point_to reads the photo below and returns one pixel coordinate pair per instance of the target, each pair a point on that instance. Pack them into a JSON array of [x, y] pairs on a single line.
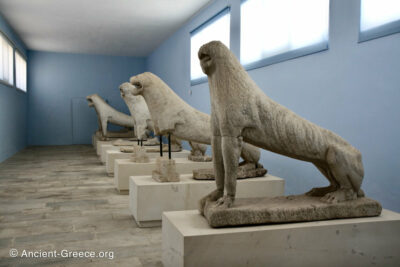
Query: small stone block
[[165, 171], [125, 167], [113, 155]]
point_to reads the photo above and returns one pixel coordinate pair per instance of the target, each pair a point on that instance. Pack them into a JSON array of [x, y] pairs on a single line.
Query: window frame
[[208, 22], [15, 70], [377, 32], [15, 49], [291, 54]]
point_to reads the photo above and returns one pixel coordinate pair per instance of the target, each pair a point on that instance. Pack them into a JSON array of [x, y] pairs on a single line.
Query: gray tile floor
[[60, 198]]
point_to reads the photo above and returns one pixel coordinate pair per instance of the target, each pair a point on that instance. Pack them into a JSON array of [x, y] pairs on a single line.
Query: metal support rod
[[141, 142], [169, 146], [161, 147], [138, 142]]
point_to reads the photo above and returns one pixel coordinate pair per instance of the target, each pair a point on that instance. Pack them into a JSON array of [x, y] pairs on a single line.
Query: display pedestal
[[94, 140], [125, 167], [185, 195], [188, 240], [104, 148], [112, 155], [99, 144]]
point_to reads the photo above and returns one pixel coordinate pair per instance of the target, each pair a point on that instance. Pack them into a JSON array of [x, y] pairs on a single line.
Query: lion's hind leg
[[322, 191], [344, 164]]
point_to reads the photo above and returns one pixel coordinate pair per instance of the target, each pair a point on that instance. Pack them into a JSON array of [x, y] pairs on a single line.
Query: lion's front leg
[[104, 127], [231, 149], [219, 172]]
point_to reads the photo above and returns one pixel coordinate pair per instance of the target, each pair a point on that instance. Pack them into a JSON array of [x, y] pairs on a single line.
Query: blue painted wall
[[352, 89], [13, 105], [58, 85]]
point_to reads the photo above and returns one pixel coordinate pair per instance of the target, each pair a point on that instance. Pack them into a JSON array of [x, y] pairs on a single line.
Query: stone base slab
[[112, 155], [188, 240], [243, 173], [125, 167], [185, 195], [284, 209]]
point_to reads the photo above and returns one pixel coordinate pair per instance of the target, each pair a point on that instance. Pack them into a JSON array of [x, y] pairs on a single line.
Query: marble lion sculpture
[[107, 114], [171, 114], [139, 111], [242, 112]]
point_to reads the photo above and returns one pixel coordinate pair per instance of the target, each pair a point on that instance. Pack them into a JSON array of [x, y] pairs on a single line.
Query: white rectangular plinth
[[187, 240], [99, 144], [112, 155], [125, 167], [94, 140], [104, 148], [185, 194]]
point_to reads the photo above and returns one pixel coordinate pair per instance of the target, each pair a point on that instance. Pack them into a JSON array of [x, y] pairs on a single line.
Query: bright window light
[[20, 71], [271, 27], [217, 28], [376, 13], [6, 61]]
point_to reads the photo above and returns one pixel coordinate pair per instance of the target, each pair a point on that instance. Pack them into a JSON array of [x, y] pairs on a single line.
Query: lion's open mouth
[[204, 57], [90, 102], [138, 85]]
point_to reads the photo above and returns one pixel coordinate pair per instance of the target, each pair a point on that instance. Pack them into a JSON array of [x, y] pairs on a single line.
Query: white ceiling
[[109, 27]]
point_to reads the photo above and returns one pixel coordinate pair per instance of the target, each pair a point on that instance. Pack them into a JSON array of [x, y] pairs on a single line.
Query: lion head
[[214, 54], [91, 98], [126, 89], [141, 81]]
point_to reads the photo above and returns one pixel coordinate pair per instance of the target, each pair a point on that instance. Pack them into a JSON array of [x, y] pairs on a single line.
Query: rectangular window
[[20, 71], [379, 18], [216, 28], [6, 61], [273, 31]]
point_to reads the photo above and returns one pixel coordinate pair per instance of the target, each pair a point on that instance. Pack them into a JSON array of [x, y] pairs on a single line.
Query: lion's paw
[[213, 196], [225, 202], [320, 191], [339, 196]]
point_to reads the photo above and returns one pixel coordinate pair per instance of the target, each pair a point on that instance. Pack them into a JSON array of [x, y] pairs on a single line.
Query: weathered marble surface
[[59, 197], [244, 171], [139, 111], [139, 154], [141, 114], [285, 209], [165, 170], [198, 152], [155, 149], [123, 133], [174, 148], [148, 198], [170, 114], [241, 112], [152, 142], [124, 142], [107, 114]]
